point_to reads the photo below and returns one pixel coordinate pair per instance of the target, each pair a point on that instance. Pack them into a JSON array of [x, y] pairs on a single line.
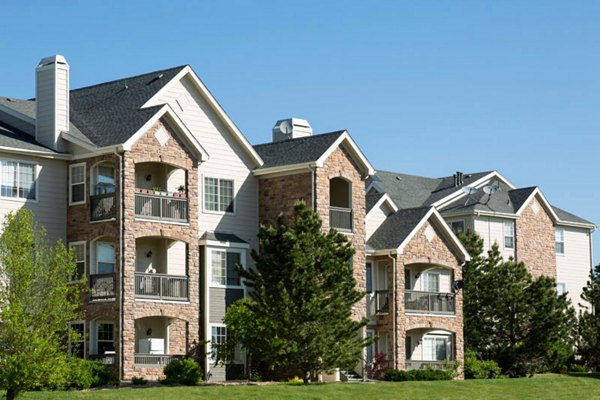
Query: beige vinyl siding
[[375, 218], [492, 231], [46, 117], [573, 267], [176, 258], [50, 206], [227, 161]]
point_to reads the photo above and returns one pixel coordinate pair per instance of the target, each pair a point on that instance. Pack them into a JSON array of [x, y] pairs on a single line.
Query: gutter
[[395, 314]]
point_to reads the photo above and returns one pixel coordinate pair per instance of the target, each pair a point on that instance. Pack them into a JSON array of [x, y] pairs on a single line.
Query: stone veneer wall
[[340, 164], [535, 241], [278, 194], [420, 250], [80, 228], [184, 328]]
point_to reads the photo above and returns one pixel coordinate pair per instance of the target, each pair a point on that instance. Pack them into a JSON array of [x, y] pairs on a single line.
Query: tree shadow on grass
[[594, 375]]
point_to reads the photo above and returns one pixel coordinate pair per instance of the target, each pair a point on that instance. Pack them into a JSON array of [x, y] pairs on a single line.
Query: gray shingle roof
[[505, 200], [396, 228], [222, 237], [568, 217], [25, 107], [372, 199], [296, 151], [13, 138]]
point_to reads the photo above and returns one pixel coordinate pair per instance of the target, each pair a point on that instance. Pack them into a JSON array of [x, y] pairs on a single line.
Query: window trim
[[205, 209], [564, 288], [512, 235], [71, 167], [556, 242], [448, 338], [461, 221], [70, 342], [94, 258], [81, 243], [97, 341], [94, 176], [240, 251], [430, 273], [36, 174]]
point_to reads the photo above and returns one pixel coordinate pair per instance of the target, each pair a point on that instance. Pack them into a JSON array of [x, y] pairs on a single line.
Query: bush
[[478, 369], [295, 380], [429, 374], [578, 368], [138, 380], [85, 374], [185, 372]]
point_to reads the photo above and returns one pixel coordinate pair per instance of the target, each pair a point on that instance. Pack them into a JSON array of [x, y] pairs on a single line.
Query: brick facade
[[278, 195], [534, 240]]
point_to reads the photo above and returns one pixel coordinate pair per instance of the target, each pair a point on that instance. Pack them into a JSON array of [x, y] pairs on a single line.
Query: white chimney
[[52, 100], [291, 128]]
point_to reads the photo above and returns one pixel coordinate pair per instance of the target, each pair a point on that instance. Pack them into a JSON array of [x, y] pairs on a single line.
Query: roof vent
[[458, 178], [291, 128]]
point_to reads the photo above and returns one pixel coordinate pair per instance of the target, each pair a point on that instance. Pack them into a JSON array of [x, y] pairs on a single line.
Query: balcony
[[421, 364], [161, 207], [103, 206], [106, 359], [340, 218], [377, 303], [103, 286], [154, 360], [161, 287], [429, 302]]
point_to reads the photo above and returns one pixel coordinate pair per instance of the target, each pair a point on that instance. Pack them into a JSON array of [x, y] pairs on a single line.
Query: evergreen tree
[[513, 318], [588, 344], [298, 316], [36, 304]]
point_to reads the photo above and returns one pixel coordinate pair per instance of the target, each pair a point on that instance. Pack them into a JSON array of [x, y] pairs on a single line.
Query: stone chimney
[[52, 100], [291, 128]]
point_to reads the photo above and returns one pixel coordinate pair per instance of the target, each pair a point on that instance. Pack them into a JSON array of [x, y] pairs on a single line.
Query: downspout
[[394, 313], [314, 188], [591, 263], [121, 263]]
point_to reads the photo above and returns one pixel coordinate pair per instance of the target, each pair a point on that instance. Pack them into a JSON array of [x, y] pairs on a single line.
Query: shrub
[[295, 380], [138, 380], [428, 374], [578, 368], [85, 374], [185, 372], [479, 369]]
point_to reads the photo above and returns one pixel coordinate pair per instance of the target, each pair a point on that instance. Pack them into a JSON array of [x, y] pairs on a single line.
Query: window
[[369, 278], [559, 237], [105, 258], [430, 282], [458, 226], [407, 283], [561, 288], [105, 337], [437, 348], [77, 184], [218, 338], [218, 195], [18, 180], [509, 234], [79, 250], [370, 336], [77, 339], [223, 267], [408, 347], [104, 179]]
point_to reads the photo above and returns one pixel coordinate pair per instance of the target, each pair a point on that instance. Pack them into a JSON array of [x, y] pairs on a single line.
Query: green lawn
[[539, 387]]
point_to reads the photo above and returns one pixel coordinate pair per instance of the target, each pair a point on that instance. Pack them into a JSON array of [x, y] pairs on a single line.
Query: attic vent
[[535, 208], [162, 136], [429, 233]]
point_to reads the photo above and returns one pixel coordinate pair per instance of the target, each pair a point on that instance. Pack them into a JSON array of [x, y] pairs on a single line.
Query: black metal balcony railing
[[340, 218], [421, 364], [106, 359], [103, 286], [161, 287], [429, 302], [377, 302], [103, 206], [155, 360], [164, 208]]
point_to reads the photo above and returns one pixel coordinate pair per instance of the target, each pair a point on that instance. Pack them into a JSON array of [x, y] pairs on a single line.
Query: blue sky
[[424, 87]]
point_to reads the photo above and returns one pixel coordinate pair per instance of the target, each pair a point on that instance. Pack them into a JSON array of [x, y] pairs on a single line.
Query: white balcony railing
[[421, 364], [155, 360], [163, 208], [340, 218], [429, 302], [161, 287]]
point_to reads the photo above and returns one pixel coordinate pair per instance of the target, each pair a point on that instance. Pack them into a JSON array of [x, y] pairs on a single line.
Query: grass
[[550, 386]]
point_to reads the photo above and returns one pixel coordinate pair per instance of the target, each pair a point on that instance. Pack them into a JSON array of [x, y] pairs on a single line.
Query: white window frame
[[82, 341], [510, 234], [204, 192], [81, 243], [36, 173], [94, 176], [561, 288], [556, 241], [94, 261], [71, 167], [96, 340], [425, 276], [210, 250], [449, 346], [238, 357]]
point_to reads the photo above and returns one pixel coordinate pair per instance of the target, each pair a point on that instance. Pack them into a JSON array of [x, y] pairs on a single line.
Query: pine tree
[[513, 318], [298, 316], [588, 344], [37, 302]]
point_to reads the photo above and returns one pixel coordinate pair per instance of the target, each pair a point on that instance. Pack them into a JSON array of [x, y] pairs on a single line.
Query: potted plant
[[180, 192], [144, 191], [159, 191]]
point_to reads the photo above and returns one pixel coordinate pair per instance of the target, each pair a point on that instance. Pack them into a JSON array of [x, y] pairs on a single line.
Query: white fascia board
[[384, 199], [441, 224], [478, 183], [383, 252], [237, 134], [354, 150], [187, 135], [36, 153], [17, 114], [374, 185], [478, 213], [217, 243], [285, 169], [591, 227], [545, 204], [75, 140]]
